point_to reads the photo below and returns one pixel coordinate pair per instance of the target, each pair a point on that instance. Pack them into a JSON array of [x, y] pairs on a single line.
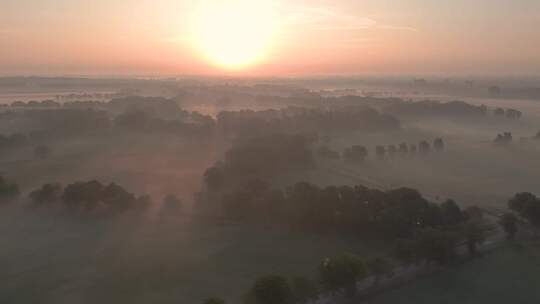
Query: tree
[[499, 112], [304, 290], [513, 114], [342, 272], [93, 196], [423, 147], [272, 289], [521, 201], [378, 267], [82, 195], [503, 139], [326, 152], [48, 193], [214, 301], [8, 191], [403, 149], [451, 213], [355, 153], [436, 244], [474, 233], [438, 144], [508, 222], [527, 205]]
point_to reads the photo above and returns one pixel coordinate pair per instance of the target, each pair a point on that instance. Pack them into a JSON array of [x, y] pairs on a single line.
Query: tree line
[[427, 241], [358, 153], [305, 120], [86, 198]]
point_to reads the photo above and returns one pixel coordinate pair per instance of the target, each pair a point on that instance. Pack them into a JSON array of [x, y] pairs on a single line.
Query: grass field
[[50, 259], [510, 274]]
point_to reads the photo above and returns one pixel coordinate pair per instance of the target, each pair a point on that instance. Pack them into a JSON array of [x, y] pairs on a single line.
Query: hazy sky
[[334, 37]]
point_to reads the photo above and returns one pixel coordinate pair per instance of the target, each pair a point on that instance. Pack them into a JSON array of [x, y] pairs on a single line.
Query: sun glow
[[234, 34]]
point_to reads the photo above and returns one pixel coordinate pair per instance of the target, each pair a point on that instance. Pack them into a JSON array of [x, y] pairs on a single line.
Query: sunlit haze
[[271, 37]]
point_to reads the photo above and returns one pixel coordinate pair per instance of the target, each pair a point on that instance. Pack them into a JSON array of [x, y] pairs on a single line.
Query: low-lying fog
[[51, 256]]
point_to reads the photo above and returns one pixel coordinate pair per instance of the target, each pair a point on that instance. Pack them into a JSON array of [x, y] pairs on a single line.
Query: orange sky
[[312, 37]]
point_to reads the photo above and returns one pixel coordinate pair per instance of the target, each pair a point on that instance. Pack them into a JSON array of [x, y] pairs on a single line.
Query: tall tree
[[508, 222], [272, 289], [342, 272]]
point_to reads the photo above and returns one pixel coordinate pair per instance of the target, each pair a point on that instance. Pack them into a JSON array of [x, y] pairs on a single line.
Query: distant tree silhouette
[[48, 193], [513, 114], [509, 222], [438, 144], [423, 147], [380, 151], [474, 232], [355, 153], [499, 112], [451, 213], [93, 196], [503, 139], [326, 152], [403, 149]]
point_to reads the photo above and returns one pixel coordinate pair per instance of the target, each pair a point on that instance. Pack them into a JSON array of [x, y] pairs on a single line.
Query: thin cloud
[[322, 18], [398, 28]]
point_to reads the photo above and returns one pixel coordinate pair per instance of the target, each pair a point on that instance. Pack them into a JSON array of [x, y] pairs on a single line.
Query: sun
[[234, 34]]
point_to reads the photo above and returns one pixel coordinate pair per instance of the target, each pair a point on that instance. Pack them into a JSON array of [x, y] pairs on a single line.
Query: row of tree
[[335, 274], [90, 197], [343, 273], [146, 115], [305, 120], [503, 139], [439, 244], [358, 210], [358, 153], [508, 113]]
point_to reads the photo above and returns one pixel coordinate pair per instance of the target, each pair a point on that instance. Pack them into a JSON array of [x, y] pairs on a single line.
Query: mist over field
[[269, 151], [176, 190]]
